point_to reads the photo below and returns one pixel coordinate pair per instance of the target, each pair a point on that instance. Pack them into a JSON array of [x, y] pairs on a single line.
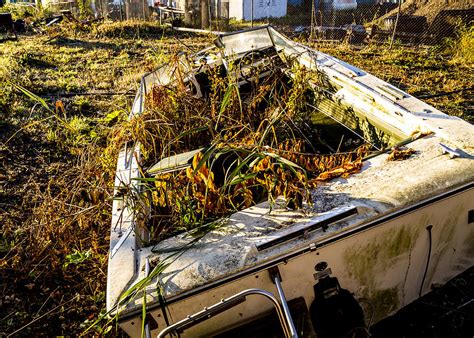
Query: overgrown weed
[[255, 145], [463, 49]]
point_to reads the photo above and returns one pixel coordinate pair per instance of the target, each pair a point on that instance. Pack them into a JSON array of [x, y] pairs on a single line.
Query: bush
[[129, 29], [463, 49]]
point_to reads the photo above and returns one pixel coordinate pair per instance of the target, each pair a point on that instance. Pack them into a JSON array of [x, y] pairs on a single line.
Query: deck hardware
[[224, 305], [310, 226], [312, 247], [276, 278], [447, 150], [321, 274], [322, 270], [470, 216], [321, 266]]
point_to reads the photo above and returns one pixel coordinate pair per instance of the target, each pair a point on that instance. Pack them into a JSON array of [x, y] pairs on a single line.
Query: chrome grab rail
[[226, 304], [286, 310]]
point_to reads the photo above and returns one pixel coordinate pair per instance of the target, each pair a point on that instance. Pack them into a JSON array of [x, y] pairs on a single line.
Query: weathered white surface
[[122, 267], [381, 187], [261, 9]]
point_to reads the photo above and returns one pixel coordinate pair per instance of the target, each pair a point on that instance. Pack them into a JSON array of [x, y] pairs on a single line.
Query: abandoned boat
[[370, 242]]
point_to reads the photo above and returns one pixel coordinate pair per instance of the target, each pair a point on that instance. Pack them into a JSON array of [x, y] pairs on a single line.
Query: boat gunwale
[[379, 220]]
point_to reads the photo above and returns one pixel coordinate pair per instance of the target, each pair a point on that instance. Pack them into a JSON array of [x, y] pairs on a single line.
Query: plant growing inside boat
[[254, 140]]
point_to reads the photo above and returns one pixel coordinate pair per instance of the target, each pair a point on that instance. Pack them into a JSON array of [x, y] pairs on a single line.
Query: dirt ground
[[62, 97]]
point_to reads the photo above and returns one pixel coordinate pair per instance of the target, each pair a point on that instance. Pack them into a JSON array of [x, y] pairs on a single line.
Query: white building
[[242, 9]]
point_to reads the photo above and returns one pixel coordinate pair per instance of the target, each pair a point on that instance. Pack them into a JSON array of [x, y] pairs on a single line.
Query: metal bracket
[[447, 150], [321, 274], [274, 273]]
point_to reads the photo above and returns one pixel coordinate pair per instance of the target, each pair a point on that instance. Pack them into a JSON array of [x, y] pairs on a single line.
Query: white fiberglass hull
[[388, 233]]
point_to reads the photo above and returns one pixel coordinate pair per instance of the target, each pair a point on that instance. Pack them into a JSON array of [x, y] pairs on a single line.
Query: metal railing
[[228, 303]]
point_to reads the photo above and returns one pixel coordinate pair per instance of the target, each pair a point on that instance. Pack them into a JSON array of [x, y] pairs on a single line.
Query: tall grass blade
[[32, 96]]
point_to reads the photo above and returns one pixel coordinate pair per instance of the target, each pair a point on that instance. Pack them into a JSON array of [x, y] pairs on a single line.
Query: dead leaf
[[30, 286], [400, 153]]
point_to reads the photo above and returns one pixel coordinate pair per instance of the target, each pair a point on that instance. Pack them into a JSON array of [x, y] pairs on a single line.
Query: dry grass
[[56, 177], [57, 166], [258, 142], [463, 47]]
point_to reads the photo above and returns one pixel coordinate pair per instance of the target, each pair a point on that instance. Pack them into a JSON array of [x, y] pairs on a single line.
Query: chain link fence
[[426, 22], [356, 21]]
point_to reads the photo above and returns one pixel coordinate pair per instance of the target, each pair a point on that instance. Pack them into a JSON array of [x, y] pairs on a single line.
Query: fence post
[[188, 7], [205, 14], [225, 5], [396, 23], [251, 12]]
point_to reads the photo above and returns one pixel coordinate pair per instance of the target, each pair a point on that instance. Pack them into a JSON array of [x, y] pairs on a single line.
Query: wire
[[429, 227], [446, 93], [128, 93]]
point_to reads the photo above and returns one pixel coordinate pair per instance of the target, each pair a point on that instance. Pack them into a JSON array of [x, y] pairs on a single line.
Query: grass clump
[[57, 172], [25, 11], [131, 29]]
